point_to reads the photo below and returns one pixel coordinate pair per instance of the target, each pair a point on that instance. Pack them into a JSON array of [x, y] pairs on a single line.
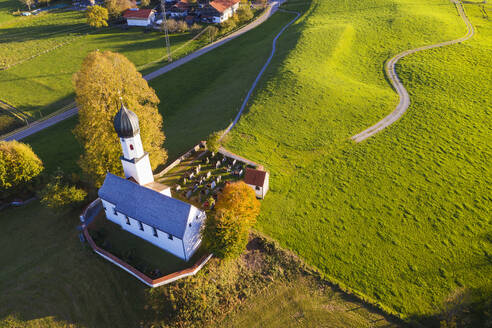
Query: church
[[144, 207]]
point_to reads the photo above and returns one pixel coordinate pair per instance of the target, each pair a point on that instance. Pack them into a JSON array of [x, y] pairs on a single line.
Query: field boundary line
[[390, 72]]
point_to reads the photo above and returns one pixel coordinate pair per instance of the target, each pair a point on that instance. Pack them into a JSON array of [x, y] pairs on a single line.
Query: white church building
[[143, 207]]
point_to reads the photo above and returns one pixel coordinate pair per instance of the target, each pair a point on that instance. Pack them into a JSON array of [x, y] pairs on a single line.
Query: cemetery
[[199, 178]]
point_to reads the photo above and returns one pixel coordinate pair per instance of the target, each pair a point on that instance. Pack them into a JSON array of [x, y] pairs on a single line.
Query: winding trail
[[57, 118], [398, 86]]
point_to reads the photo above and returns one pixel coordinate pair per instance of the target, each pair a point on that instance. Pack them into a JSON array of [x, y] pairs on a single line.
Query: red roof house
[[258, 180], [139, 17]]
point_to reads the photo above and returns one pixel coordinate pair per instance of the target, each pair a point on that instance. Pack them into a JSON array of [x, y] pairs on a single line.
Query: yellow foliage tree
[[239, 200], [102, 80], [97, 16], [226, 233]]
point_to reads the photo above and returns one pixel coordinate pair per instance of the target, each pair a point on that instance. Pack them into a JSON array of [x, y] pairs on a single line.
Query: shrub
[[228, 25], [19, 165], [59, 194], [182, 27], [213, 142], [174, 26], [244, 13]]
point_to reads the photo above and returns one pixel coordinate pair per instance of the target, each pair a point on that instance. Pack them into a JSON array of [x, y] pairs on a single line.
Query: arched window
[[131, 147]]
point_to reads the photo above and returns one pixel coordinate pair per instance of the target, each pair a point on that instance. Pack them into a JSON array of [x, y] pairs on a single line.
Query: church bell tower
[[135, 160]]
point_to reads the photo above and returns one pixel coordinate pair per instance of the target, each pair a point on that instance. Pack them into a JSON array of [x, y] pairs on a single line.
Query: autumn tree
[[116, 7], [103, 78], [226, 233], [18, 166], [60, 193], [145, 3], [97, 16]]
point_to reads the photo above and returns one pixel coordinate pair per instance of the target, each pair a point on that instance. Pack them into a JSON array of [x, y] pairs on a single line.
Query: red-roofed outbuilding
[[258, 180], [139, 17]]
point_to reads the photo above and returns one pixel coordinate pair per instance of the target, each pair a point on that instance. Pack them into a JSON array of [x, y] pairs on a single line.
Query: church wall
[[109, 209], [136, 143], [174, 246], [140, 171], [192, 237]]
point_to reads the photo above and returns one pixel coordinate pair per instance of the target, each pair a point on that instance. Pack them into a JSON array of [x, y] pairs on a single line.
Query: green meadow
[[399, 219], [402, 219]]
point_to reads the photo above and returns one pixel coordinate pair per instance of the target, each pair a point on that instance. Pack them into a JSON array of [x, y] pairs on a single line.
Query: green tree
[[59, 194], [244, 13], [97, 16], [213, 142], [19, 165], [226, 233], [105, 76]]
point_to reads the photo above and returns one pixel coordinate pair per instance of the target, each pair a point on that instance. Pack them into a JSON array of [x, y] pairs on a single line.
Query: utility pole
[[166, 32]]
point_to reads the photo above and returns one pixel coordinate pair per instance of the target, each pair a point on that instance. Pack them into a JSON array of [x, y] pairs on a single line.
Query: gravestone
[[207, 160], [219, 178], [188, 194], [213, 185], [233, 162], [217, 165], [208, 174], [178, 188], [241, 172]]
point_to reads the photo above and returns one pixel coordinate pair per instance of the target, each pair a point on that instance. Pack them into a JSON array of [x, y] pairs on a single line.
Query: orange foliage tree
[[226, 233]]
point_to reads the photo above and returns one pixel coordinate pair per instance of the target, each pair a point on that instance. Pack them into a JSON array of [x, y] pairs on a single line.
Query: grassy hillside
[[402, 217], [6, 7]]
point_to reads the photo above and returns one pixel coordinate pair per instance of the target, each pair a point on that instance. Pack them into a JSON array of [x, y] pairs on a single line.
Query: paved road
[[41, 125], [400, 89]]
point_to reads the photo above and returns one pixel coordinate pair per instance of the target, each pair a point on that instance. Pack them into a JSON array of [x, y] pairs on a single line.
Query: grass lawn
[[403, 217], [6, 7], [303, 303]]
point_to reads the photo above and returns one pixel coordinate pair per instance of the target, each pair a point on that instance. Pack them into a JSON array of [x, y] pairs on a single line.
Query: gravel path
[[41, 125], [398, 86]]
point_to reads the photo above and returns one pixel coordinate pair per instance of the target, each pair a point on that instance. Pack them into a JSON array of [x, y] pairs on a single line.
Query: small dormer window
[[155, 232], [258, 188], [114, 211], [131, 147], [170, 236], [141, 226], [127, 220]]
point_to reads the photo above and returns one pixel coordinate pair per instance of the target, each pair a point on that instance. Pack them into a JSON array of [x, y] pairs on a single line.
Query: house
[[219, 11], [258, 180], [181, 9], [144, 207], [139, 17]]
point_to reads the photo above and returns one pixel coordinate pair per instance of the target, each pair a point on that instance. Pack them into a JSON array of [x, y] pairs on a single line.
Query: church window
[[155, 232], [127, 220], [170, 236], [131, 147], [114, 211], [141, 226], [257, 188]]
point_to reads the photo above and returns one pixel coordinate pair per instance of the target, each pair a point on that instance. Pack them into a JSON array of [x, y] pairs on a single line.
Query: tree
[[27, 3], [102, 79], [244, 13], [59, 194], [226, 233], [213, 142], [97, 16], [228, 25], [18, 166], [45, 1], [116, 7], [145, 3]]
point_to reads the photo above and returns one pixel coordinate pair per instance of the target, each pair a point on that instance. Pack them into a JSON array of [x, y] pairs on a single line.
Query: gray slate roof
[[167, 214]]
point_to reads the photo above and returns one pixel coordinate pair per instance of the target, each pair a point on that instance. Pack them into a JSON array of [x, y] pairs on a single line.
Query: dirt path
[[398, 86], [41, 125]]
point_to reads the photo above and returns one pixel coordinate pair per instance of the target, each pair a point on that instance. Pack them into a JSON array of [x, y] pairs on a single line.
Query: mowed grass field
[[404, 217], [42, 84]]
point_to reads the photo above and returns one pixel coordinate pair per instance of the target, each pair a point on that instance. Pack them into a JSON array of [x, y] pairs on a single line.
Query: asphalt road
[[41, 125], [398, 86]]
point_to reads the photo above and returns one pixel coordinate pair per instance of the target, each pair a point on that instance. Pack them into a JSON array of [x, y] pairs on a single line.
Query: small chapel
[[144, 207]]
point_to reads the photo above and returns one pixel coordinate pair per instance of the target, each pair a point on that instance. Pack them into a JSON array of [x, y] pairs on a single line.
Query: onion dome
[[126, 123]]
